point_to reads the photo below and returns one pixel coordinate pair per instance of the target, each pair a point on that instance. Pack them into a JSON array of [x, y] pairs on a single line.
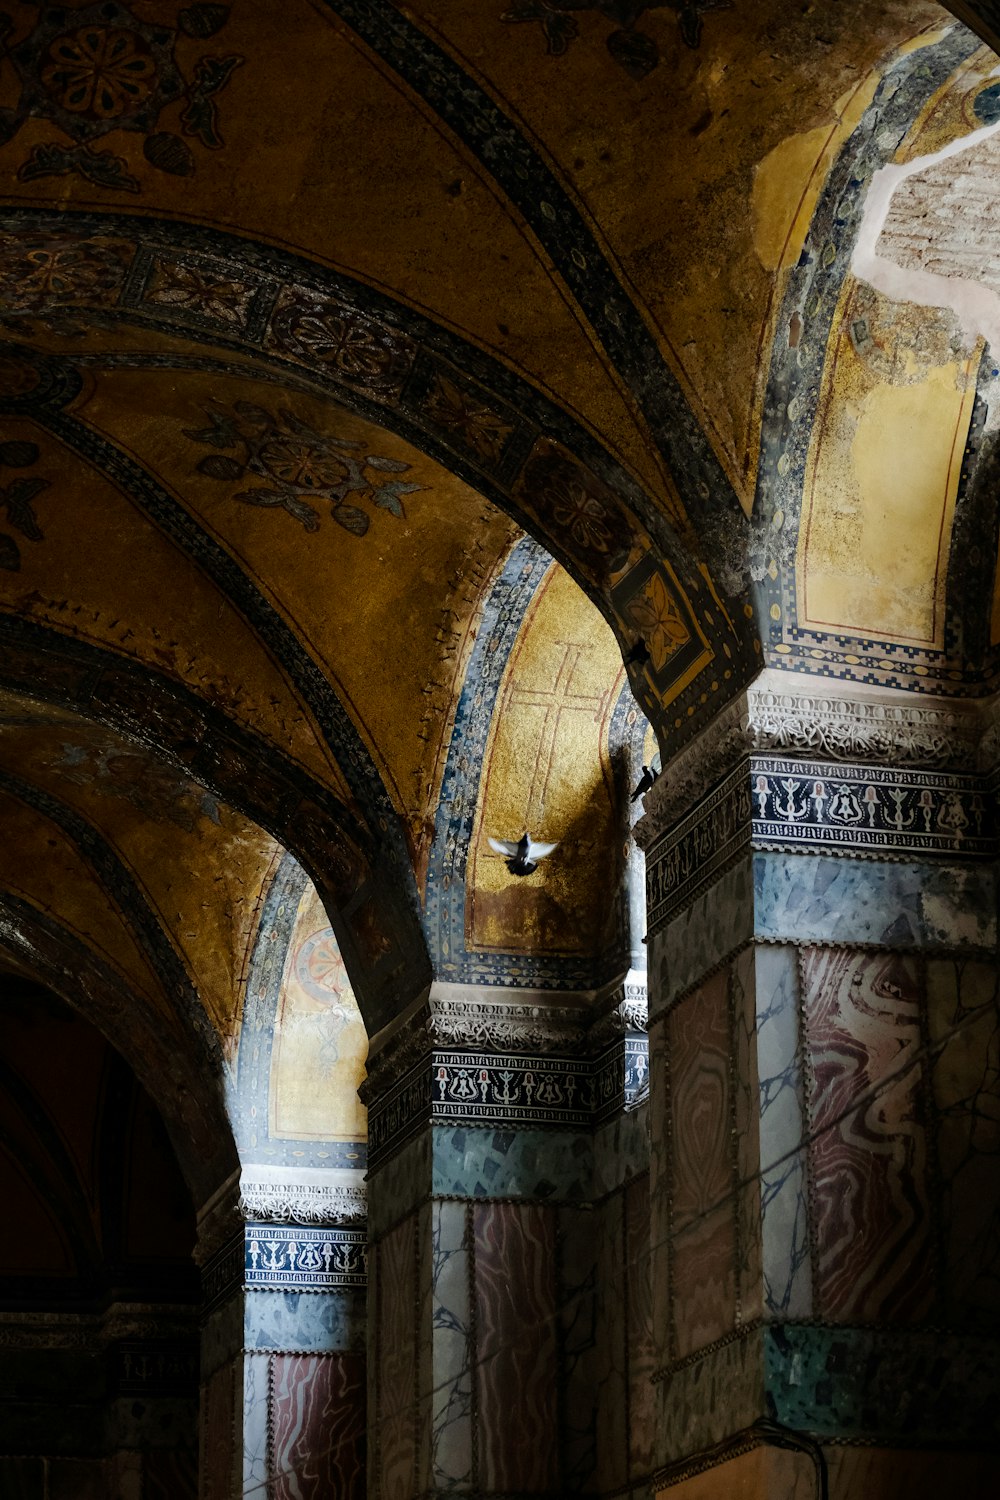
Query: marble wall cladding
[[451, 1331], [703, 1222], [964, 1026], [918, 1384], [659, 1188], [222, 1334], [611, 1362], [85, 1479], [217, 1464], [517, 1364], [621, 1150], [399, 1183], [710, 1397], [578, 1335], [396, 1345], [318, 1427], [714, 926], [309, 1322], [868, 1139], [746, 1122], [641, 1354], [256, 1400], [475, 1163], [786, 1269], [820, 898]]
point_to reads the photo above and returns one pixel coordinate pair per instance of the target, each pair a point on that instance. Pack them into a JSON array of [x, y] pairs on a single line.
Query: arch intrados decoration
[[430, 387], [341, 854]]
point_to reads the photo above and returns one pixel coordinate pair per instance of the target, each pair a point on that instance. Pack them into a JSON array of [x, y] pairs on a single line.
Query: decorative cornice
[[447, 1023], [325, 1204], [788, 714], [328, 1198]]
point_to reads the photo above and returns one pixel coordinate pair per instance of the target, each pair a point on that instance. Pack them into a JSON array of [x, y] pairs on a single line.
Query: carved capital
[[793, 715]]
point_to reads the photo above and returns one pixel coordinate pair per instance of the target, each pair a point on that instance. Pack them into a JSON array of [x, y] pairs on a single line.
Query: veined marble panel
[[611, 1362], [516, 1347], [886, 1383], [786, 1270], [818, 898], [868, 1142], [717, 923], [578, 1331], [639, 1327], [318, 1427], [964, 1024], [256, 1368], [398, 1184], [746, 1119], [472, 1163], [710, 1397], [451, 1333], [659, 1188], [396, 1357], [621, 1149], [309, 1322]]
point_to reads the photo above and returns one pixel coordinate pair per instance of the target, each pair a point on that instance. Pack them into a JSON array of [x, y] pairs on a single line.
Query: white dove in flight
[[524, 856]]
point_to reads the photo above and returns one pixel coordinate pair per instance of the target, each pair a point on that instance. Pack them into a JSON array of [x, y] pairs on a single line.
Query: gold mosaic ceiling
[[310, 311]]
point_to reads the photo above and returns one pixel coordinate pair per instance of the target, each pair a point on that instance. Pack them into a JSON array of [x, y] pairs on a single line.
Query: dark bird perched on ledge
[[524, 856], [645, 782]]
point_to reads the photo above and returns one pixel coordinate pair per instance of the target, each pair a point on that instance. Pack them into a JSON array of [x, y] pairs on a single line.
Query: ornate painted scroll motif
[[791, 405], [101, 69]]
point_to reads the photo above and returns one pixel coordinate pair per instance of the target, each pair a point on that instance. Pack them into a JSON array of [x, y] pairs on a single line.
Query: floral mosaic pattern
[[17, 501], [635, 51], [100, 69], [298, 465]]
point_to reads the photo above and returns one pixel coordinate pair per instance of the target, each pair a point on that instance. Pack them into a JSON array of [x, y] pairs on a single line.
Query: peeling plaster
[[896, 243]]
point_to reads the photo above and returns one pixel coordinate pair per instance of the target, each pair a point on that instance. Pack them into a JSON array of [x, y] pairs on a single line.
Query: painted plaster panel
[[821, 899]]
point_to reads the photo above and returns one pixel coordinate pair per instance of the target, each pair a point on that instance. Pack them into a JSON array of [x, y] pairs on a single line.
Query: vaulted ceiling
[[311, 312]]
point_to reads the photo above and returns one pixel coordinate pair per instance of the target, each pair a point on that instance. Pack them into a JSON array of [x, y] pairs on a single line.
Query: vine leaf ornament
[[101, 68], [16, 502], [634, 50], [298, 466]]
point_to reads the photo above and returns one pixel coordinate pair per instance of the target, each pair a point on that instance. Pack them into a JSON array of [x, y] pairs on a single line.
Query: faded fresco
[[320, 1044]]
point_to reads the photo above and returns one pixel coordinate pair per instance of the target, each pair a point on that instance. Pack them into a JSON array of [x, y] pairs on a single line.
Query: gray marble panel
[[621, 1149], [611, 1355], [222, 1335], [578, 1314], [397, 1185], [659, 1190], [255, 1401], [715, 925], [451, 1383], [304, 1322], [787, 1281], [710, 1397], [820, 898], [474, 1163]]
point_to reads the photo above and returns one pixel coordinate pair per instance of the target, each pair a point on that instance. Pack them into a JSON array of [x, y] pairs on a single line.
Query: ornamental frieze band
[[796, 806]]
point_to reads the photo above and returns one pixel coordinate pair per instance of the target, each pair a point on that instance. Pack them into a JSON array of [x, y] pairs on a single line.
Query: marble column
[[825, 1101], [284, 1259], [508, 1215]]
